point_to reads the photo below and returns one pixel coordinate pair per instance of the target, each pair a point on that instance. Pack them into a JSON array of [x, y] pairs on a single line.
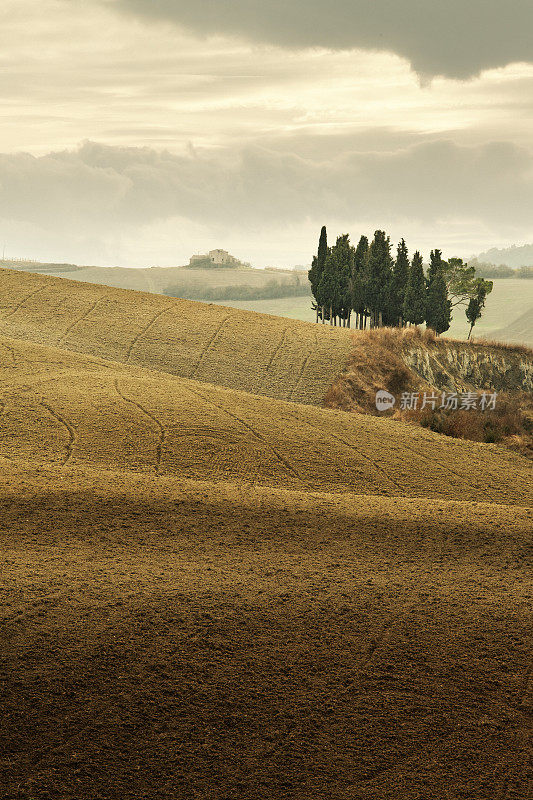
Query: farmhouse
[[221, 257]]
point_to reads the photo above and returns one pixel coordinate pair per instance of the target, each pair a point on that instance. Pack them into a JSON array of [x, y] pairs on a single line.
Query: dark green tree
[[476, 304], [358, 299], [414, 306], [400, 277], [328, 291], [378, 276], [360, 255], [358, 281], [439, 308], [436, 265], [343, 254], [317, 266]]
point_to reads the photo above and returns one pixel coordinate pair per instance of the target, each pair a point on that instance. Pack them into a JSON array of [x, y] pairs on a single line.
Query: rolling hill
[[65, 408], [158, 279], [286, 359], [212, 587]]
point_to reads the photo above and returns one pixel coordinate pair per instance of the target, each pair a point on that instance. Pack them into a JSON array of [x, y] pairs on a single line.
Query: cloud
[[99, 184], [454, 38], [102, 193]]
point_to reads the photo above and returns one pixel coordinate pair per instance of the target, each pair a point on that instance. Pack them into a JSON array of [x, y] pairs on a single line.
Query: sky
[[139, 132]]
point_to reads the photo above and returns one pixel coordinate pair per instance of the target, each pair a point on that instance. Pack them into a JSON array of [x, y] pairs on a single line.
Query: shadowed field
[[257, 353], [171, 639]]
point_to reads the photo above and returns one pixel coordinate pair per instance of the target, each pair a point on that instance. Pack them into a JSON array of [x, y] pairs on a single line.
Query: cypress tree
[[414, 306], [358, 298], [436, 265], [378, 275], [358, 281], [343, 253], [439, 308], [317, 266], [477, 303], [328, 294], [360, 255], [400, 276]]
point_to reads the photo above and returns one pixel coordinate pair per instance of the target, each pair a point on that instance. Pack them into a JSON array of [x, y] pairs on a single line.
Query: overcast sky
[[137, 132]]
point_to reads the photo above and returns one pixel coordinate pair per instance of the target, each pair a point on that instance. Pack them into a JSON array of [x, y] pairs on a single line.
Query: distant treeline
[[37, 266], [271, 290], [500, 270], [206, 263]]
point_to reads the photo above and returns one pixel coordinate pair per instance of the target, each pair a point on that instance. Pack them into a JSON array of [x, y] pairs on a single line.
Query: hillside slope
[[61, 407], [286, 359]]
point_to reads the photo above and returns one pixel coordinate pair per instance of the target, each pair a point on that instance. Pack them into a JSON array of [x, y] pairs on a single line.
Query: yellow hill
[[208, 593], [61, 407], [286, 359]]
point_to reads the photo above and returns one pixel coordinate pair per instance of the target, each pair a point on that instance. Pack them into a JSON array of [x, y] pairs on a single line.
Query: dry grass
[[286, 359], [521, 349], [510, 423], [377, 362], [65, 408]]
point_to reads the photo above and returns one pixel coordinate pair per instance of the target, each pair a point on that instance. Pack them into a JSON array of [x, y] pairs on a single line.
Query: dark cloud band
[[455, 38]]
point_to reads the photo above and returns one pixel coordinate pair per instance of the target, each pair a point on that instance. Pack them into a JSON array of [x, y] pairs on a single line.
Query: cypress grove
[[367, 282]]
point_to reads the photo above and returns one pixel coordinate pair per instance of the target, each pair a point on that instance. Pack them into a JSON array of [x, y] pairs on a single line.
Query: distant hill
[[515, 256], [519, 331], [158, 279]]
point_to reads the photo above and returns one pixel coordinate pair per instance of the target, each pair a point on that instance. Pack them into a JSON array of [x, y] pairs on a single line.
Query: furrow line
[[286, 463], [277, 349], [142, 332], [77, 321], [208, 346], [302, 370], [71, 431], [162, 431], [370, 461], [24, 300]]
